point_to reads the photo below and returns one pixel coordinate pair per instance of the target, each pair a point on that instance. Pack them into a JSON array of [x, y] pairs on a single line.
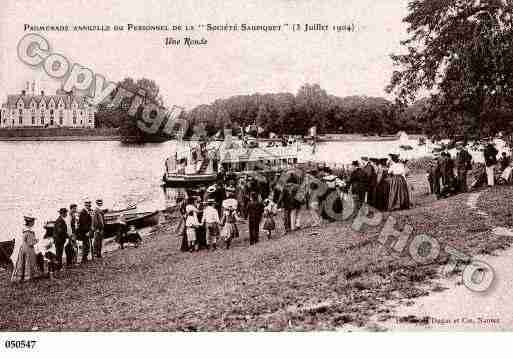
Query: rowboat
[[186, 180], [138, 220]]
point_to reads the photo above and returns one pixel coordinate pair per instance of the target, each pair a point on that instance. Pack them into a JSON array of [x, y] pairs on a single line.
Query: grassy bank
[[311, 279]]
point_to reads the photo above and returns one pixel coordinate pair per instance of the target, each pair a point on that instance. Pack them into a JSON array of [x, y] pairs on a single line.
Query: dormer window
[[20, 104]]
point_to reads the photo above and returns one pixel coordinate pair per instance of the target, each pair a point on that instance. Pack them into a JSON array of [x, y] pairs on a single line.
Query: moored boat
[[139, 220]]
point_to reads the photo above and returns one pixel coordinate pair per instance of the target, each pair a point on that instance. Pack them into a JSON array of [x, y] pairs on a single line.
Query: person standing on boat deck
[[490, 157], [463, 164], [60, 235], [24, 256], [211, 222], [98, 226], [255, 212], [84, 229], [71, 247]]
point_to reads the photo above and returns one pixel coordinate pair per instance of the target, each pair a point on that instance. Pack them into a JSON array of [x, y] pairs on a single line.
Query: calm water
[[41, 177]]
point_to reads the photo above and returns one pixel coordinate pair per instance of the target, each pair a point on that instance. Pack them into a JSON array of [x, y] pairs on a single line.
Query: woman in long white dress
[[398, 196], [24, 256]]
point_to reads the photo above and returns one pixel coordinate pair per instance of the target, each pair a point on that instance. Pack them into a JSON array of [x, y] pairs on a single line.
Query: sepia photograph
[[255, 166]]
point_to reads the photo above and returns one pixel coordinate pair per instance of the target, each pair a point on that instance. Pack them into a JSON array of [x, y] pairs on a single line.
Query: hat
[[99, 202], [73, 205], [49, 225], [63, 210], [339, 183], [211, 200], [374, 160], [355, 163], [365, 158], [191, 208], [330, 178], [29, 218], [394, 156], [87, 201], [211, 189], [229, 189]]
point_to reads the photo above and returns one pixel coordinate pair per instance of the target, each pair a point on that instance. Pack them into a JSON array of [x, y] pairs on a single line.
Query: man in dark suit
[[60, 235], [98, 227], [490, 157], [463, 164], [358, 183], [370, 180], [84, 229]]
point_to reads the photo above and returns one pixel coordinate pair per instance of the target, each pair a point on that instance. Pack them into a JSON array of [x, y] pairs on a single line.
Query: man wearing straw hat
[[98, 227]]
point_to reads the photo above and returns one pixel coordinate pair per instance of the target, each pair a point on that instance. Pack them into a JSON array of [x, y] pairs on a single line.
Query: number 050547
[[20, 344]]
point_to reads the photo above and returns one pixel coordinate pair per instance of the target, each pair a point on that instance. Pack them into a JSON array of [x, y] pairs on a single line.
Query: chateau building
[[64, 109]]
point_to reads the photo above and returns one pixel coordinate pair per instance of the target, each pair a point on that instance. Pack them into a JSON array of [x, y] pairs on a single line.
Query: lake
[[41, 177]]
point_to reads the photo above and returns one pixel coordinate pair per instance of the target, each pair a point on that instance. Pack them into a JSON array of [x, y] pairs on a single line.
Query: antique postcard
[[254, 166]]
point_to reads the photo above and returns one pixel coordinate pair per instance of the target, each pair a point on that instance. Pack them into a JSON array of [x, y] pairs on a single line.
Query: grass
[[309, 280]]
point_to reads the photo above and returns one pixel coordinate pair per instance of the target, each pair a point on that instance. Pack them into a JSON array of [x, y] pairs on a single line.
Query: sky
[[232, 63]]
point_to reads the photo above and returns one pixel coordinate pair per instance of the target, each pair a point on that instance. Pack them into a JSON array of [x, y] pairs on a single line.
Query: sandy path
[[457, 308]]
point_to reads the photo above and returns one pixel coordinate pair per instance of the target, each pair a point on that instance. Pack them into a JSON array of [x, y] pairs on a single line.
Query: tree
[[460, 51]]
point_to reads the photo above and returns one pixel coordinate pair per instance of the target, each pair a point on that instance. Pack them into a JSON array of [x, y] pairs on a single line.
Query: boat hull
[[189, 180], [138, 220]]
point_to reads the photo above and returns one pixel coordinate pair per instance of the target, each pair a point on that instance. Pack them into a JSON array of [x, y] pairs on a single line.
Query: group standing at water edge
[[448, 176], [291, 200], [294, 199], [60, 239]]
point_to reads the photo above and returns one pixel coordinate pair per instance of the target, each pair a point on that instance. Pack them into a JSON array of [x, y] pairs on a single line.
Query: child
[[269, 213], [191, 223], [45, 249], [211, 222]]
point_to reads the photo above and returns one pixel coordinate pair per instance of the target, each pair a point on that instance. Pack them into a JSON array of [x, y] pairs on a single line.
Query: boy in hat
[[211, 222], [98, 225], [84, 229], [60, 235]]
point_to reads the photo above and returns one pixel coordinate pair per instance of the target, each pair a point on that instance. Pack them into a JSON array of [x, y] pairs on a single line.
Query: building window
[[42, 120], [21, 111], [74, 120], [51, 112], [60, 120], [33, 120], [21, 120]]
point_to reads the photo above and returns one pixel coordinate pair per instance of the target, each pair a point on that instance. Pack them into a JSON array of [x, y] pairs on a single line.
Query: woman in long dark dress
[[398, 194], [381, 187]]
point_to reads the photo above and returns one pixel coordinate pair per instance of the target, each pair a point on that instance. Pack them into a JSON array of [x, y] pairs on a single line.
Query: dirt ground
[[329, 278]]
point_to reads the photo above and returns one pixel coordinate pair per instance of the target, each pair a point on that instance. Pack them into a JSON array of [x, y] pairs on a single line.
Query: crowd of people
[[448, 176], [35, 257], [294, 199]]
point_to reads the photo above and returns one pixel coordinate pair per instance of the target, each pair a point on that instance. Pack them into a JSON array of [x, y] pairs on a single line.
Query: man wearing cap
[[84, 229], [97, 227], [60, 235]]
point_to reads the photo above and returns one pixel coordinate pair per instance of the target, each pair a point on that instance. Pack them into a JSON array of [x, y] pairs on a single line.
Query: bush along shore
[[326, 278]]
